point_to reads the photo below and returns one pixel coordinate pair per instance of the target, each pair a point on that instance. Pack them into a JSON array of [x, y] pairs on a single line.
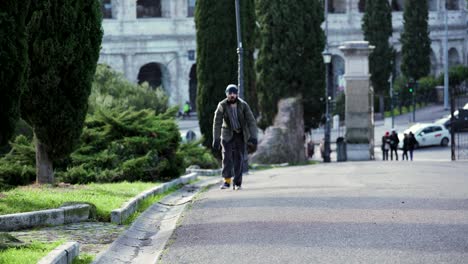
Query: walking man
[[394, 141], [406, 140], [234, 126], [412, 143]]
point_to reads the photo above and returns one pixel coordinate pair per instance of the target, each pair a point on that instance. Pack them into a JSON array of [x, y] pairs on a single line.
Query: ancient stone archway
[[454, 57], [193, 86], [150, 73]]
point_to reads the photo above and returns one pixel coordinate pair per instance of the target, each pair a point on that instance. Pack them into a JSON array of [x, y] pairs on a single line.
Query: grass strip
[[106, 197], [31, 253]]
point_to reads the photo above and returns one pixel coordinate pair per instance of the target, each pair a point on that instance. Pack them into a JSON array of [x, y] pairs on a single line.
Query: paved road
[[367, 212]]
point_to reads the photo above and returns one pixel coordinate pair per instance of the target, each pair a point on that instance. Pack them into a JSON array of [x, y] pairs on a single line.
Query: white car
[[427, 135]]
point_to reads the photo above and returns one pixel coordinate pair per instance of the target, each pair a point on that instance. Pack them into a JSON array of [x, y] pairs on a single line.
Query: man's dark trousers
[[233, 158]]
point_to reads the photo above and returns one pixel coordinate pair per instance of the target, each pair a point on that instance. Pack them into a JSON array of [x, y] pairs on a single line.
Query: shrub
[[18, 166], [193, 153]]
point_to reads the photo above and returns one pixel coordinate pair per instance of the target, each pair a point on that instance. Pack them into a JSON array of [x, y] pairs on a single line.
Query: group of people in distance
[[390, 144]]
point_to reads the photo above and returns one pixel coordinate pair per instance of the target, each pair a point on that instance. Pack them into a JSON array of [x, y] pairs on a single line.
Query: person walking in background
[[385, 145], [234, 127], [411, 144], [405, 147], [187, 109], [394, 141]]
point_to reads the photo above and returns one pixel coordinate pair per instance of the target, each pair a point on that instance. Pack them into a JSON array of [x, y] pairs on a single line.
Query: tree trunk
[[382, 105], [44, 168]]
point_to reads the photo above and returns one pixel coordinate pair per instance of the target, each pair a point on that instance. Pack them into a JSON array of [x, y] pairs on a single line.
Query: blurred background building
[[154, 40]]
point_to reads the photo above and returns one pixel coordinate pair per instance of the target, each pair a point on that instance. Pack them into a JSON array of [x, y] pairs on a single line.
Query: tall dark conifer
[[217, 57], [290, 58], [377, 27], [415, 40], [13, 63], [64, 43]]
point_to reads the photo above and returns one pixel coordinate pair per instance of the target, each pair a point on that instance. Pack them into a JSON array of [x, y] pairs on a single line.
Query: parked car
[[427, 134], [460, 122]]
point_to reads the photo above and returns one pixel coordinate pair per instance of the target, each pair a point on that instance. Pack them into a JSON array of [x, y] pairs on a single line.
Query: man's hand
[[252, 141], [216, 144]]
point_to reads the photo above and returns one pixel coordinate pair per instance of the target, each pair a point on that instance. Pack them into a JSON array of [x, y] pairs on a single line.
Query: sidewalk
[[367, 212]]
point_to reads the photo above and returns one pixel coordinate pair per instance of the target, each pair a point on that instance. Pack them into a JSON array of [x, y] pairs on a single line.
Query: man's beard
[[232, 101]]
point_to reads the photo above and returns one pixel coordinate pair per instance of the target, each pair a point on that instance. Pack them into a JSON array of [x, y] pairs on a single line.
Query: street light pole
[[446, 73], [240, 52], [327, 59]]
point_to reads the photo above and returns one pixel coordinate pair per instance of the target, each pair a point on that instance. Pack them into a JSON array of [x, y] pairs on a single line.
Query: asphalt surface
[[361, 212]]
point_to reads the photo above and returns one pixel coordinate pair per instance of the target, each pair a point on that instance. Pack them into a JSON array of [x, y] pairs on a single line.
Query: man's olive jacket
[[222, 125]]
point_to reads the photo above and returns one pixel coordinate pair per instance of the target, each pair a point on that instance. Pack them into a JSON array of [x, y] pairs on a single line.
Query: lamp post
[[240, 52], [327, 56]]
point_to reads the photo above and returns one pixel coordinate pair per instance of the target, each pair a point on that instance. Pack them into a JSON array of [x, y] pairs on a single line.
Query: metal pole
[[326, 157], [391, 100], [240, 52], [446, 70]]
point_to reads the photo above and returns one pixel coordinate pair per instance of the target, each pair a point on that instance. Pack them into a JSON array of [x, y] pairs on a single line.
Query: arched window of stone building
[[149, 8], [397, 5], [106, 8], [452, 4], [191, 8], [454, 58], [432, 5], [193, 87], [337, 6], [150, 73], [362, 6]]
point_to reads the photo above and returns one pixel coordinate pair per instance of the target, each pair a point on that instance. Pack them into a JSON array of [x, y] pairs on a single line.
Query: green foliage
[[13, 63], [195, 154], [17, 167], [64, 43], [377, 27], [112, 90], [31, 253], [128, 145], [415, 40], [217, 56], [457, 75], [426, 88], [290, 57], [105, 196]]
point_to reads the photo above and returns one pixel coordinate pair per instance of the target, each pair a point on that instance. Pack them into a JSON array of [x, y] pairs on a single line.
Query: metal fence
[[459, 98]]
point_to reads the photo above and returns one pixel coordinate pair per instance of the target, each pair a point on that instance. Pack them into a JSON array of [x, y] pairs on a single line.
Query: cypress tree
[[290, 59], [64, 42], [416, 44], [217, 61], [377, 27], [13, 63]]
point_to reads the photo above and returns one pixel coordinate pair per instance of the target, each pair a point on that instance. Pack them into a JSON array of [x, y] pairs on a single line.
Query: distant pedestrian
[[394, 141], [187, 109], [234, 127], [412, 143], [385, 145], [405, 147]]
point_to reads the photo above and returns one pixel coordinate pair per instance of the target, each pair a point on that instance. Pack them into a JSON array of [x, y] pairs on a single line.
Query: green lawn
[[29, 254], [106, 197]]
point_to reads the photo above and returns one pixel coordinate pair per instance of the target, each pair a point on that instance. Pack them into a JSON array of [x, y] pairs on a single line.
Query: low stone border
[[203, 172], [63, 215], [118, 216], [63, 254]]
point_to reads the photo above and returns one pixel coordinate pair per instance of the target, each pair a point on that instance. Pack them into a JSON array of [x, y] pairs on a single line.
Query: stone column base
[[358, 152]]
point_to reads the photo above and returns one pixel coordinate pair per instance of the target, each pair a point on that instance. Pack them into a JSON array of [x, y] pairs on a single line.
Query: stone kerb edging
[[118, 216], [59, 216], [63, 254], [203, 172]]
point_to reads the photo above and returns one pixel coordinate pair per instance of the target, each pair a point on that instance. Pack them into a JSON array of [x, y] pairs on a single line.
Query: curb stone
[[119, 216], [203, 172], [59, 216], [63, 254]]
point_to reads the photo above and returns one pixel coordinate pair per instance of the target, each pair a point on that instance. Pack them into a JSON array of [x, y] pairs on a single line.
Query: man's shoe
[[225, 186], [237, 187]]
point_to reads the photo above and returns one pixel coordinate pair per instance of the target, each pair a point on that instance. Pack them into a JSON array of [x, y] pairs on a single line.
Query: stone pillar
[[128, 10], [359, 111], [129, 68]]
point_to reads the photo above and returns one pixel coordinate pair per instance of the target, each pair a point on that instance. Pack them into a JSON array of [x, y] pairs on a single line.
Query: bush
[[18, 166], [193, 153], [112, 91]]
